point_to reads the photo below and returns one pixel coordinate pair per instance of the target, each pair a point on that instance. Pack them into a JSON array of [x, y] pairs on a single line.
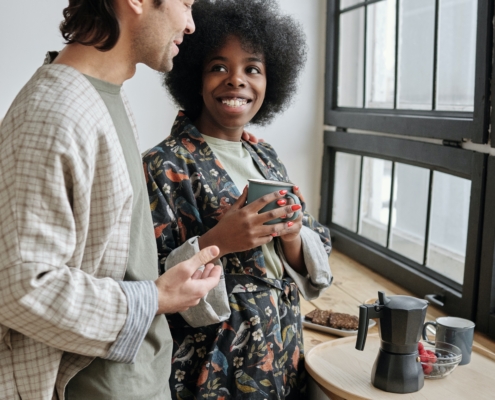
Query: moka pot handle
[[366, 311]]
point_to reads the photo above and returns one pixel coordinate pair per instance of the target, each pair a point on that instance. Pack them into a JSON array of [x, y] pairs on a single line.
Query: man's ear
[[135, 6]]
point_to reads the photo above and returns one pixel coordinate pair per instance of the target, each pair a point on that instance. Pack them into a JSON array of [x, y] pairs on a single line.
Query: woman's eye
[[253, 70], [218, 68]]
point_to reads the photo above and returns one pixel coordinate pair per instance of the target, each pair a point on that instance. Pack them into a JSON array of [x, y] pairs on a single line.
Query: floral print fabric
[[258, 353]]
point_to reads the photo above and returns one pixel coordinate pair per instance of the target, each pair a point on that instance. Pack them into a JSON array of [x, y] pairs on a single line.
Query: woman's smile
[[234, 85]]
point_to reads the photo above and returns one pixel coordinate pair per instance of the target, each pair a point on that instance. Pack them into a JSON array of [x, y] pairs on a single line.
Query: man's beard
[[148, 56]]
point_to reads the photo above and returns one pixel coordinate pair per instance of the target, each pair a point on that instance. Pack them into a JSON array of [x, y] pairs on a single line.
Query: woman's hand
[[242, 228], [290, 239], [292, 228]]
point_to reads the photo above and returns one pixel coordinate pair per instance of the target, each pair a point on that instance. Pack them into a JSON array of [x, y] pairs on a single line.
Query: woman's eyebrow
[[248, 59], [218, 58], [254, 59]]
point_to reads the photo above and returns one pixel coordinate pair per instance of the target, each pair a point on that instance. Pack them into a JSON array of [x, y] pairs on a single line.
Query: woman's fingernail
[[275, 234], [289, 224], [284, 216], [296, 188], [282, 202], [283, 192], [296, 207]]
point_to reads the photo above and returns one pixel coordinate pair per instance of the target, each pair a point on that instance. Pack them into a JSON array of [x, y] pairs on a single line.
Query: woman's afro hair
[[261, 28]]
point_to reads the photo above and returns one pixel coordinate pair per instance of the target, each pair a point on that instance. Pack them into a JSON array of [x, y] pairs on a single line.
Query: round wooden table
[[345, 373]]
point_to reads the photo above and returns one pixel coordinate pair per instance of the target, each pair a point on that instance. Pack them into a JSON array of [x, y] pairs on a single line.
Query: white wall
[[29, 28]]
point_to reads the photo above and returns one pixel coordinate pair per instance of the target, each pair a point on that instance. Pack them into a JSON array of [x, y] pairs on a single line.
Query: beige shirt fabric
[[56, 315]]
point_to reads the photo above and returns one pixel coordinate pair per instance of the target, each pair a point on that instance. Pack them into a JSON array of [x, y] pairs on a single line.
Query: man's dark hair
[[261, 28], [92, 23]]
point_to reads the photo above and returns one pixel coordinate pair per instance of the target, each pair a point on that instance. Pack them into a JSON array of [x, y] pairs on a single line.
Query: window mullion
[[435, 56], [428, 218], [397, 28], [391, 204], [360, 195], [365, 47]]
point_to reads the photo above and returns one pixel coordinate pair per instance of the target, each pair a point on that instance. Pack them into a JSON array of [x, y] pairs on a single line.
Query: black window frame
[[445, 125], [456, 299], [407, 140]]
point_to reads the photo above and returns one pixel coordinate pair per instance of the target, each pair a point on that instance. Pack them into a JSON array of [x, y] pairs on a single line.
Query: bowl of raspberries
[[439, 360]]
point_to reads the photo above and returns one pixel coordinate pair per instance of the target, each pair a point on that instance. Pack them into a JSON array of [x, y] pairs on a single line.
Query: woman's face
[[234, 85]]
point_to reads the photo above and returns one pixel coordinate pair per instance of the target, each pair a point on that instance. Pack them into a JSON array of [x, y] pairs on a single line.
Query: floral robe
[[258, 353]]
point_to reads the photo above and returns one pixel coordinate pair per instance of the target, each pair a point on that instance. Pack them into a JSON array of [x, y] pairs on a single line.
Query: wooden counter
[[350, 371], [352, 286]]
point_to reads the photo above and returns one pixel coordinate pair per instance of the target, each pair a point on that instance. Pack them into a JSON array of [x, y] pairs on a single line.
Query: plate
[[334, 331]]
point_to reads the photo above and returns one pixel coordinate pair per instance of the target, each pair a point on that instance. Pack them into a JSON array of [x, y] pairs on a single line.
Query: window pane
[[409, 211], [380, 55], [375, 199], [456, 55], [349, 3], [351, 59], [346, 190], [449, 225], [416, 40]]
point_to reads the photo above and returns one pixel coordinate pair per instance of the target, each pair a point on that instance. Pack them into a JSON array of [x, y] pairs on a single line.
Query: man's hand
[[183, 285], [249, 137]]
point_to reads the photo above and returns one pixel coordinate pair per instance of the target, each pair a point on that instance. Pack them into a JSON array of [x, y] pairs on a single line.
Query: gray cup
[[260, 187], [453, 330]]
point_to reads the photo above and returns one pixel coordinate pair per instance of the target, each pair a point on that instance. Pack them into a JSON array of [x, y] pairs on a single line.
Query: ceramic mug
[[260, 187], [453, 330]]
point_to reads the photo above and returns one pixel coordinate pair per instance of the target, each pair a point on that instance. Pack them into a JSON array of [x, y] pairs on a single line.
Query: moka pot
[[397, 367]]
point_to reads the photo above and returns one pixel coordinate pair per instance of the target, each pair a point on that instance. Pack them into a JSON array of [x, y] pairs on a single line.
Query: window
[[423, 60], [407, 85]]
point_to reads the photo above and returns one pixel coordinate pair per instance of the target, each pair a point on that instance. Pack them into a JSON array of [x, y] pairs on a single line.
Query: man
[[79, 287]]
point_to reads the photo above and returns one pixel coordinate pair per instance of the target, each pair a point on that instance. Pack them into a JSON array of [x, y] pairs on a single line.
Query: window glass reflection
[[346, 190], [375, 199], [449, 225], [416, 47], [349, 3], [456, 55], [380, 55], [351, 59], [410, 208]]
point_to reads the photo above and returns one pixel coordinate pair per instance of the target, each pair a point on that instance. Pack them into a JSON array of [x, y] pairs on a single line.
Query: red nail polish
[[284, 216], [282, 202], [296, 188], [289, 224], [283, 192], [274, 234], [296, 207]]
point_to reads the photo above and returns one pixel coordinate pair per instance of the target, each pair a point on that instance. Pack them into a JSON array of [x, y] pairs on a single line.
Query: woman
[[244, 340]]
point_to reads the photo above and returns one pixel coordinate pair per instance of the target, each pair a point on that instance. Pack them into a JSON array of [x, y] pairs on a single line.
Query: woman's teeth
[[234, 102]]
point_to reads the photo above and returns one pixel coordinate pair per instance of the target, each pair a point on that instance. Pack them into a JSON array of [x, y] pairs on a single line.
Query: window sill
[[354, 284]]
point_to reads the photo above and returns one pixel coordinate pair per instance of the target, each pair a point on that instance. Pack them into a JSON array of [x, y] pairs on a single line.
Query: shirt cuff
[[214, 307], [142, 304]]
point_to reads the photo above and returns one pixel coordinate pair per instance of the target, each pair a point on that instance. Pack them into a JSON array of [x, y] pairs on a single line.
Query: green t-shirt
[[147, 378], [240, 166]]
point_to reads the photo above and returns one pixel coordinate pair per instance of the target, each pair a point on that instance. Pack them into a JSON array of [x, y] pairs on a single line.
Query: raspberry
[[425, 358], [420, 347], [432, 357], [427, 368]]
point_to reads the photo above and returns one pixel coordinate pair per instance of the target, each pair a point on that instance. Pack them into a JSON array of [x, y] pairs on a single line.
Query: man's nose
[[190, 26]]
